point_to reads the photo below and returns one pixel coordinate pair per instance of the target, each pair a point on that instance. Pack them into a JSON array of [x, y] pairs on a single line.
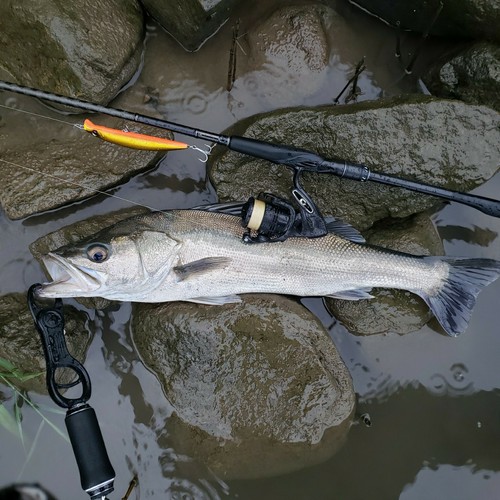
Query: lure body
[[132, 139]]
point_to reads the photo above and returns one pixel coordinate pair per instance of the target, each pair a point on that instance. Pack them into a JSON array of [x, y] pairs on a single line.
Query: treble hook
[[206, 153]]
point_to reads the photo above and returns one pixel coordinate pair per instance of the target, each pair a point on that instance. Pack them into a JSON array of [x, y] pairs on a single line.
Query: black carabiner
[[49, 322]]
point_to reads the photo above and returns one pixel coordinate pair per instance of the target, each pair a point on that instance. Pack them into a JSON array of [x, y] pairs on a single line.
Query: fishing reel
[[270, 218]]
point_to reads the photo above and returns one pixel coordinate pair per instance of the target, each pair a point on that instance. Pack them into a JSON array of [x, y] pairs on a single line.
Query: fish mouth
[[68, 279]]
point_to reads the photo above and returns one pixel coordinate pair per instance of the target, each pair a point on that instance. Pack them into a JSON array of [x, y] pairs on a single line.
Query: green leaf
[[32, 449], [56, 429], [18, 416], [11, 371], [52, 409], [6, 365], [23, 377], [8, 422], [34, 405]]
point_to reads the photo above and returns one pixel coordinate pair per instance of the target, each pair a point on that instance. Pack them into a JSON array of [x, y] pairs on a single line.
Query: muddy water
[[434, 402]]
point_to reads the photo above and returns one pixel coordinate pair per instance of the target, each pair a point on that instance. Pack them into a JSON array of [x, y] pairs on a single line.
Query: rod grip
[[285, 155], [96, 472]]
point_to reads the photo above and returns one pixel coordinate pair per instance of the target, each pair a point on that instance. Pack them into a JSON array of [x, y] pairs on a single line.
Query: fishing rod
[[300, 160]]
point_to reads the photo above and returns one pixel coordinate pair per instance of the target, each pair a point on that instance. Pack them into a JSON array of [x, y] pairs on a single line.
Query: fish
[[199, 256]]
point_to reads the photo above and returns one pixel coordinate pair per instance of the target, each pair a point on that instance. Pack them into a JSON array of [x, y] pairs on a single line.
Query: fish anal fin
[[202, 266], [358, 294], [216, 301]]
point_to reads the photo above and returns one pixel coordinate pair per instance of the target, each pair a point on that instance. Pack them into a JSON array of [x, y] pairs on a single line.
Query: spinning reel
[[270, 218]]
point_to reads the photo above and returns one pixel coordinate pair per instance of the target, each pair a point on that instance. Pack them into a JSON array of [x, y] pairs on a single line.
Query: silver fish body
[[199, 256]]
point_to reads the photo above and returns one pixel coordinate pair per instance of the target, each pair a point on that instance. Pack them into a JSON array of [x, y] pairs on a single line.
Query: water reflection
[[413, 427], [146, 439], [174, 183], [460, 482], [475, 235], [189, 479]]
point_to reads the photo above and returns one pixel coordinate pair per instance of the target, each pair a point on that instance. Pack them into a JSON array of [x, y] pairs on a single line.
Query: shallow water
[[434, 401]]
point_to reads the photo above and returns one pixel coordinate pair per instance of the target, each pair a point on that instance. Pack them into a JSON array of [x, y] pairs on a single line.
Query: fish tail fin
[[453, 303]]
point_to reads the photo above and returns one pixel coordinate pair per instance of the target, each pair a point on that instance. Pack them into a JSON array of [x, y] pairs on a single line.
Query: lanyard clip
[[49, 322]]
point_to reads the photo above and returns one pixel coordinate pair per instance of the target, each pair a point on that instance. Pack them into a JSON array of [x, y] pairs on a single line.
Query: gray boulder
[[83, 48], [472, 76], [288, 53], [21, 346], [444, 143], [459, 18], [258, 387], [396, 311], [190, 22]]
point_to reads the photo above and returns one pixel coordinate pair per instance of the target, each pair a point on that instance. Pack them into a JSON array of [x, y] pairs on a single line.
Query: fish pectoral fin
[[343, 229], [201, 266], [359, 294], [216, 301]]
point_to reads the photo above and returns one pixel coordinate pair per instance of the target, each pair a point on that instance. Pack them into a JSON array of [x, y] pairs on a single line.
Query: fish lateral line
[[132, 140]]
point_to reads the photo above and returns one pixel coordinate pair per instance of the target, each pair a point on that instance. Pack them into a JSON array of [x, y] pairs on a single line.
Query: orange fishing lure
[[132, 139]]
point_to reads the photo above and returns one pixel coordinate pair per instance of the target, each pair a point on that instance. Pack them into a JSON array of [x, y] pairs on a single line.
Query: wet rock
[[396, 311], [258, 387], [74, 233], [190, 22], [459, 18], [83, 48], [289, 52], [444, 143], [52, 167], [472, 76], [20, 343]]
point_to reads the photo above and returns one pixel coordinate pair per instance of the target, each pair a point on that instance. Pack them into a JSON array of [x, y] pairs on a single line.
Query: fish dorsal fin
[[343, 229], [228, 208], [198, 267]]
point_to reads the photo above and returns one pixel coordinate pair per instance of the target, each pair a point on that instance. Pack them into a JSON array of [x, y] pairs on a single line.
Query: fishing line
[[77, 125], [97, 191], [94, 190]]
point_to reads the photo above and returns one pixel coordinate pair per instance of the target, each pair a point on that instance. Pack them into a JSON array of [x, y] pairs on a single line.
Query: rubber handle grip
[[285, 155], [96, 472]]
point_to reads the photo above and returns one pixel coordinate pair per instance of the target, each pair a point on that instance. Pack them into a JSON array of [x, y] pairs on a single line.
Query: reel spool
[[269, 217]]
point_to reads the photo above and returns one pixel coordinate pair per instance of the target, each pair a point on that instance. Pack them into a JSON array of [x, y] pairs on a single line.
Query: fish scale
[[320, 266]]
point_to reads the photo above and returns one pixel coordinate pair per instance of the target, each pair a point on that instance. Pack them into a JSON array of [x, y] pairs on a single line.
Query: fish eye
[[98, 252]]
